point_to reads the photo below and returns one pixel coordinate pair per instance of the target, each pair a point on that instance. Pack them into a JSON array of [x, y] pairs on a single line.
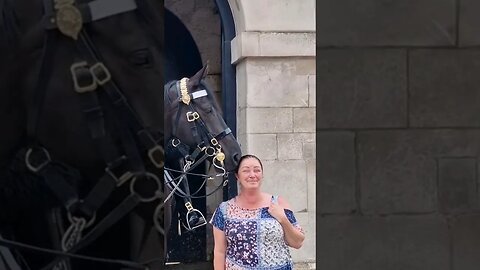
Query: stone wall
[[274, 54], [398, 135]]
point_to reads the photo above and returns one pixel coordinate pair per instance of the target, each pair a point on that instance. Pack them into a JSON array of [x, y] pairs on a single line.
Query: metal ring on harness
[[36, 167], [157, 194], [175, 142], [210, 151]]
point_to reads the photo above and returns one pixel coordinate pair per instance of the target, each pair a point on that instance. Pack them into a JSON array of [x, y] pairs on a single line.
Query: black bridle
[[208, 147], [139, 146]]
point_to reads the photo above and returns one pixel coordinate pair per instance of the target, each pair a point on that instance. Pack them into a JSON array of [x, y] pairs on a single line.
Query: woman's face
[[250, 173]]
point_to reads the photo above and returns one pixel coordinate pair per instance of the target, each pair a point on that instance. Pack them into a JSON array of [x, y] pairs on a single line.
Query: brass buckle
[[192, 116], [36, 168], [157, 156], [214, 141], [102, 70], [120, 180], [82, 88]]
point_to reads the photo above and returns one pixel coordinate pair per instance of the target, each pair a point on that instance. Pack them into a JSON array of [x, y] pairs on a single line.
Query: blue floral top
[[255, 239]]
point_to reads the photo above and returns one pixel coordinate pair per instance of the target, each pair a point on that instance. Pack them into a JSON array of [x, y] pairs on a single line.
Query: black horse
[[195, 132], [81, 152]]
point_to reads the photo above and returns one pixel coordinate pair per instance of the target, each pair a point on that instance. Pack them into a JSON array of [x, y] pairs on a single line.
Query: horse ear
[[200, 75]]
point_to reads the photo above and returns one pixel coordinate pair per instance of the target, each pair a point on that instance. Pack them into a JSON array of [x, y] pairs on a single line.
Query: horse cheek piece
[[208, 132]]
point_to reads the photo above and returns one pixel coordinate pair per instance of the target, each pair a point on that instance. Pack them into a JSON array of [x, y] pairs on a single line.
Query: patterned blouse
[[255, 239]]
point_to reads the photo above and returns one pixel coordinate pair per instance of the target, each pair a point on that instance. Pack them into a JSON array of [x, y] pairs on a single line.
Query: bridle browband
[[90, 74], [207, 147]]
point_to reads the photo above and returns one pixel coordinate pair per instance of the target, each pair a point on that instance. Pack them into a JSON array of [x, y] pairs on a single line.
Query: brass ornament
[[68, 17], [184, 91], [220, 156]]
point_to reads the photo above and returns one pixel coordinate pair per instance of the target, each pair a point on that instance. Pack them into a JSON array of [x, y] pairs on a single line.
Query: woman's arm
[[220, 246], [293, 236]]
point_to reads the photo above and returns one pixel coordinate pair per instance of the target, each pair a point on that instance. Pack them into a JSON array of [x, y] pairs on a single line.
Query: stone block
[[398, 168], [305, 66], [388, 243], [275, 83], [272, 44], [309, 151], [269, 120], [386, 23], [263, 145], [469, 34], [396, 176], [443, 88], [466, 240], [312, 90], [290, 146], [304, 119], [336, 172], [361, 88], [241, 70], [287, 179], [242, 123], [276, 15], [457, 187]]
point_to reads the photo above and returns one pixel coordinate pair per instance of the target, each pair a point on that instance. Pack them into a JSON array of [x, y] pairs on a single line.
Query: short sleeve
[[293, 220], [218, 218]]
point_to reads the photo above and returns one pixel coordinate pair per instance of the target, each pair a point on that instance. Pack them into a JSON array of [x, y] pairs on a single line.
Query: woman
[[254, 229]]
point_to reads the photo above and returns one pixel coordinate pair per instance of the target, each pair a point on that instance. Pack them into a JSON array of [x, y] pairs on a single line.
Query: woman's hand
[[277, 212], [293, 236]]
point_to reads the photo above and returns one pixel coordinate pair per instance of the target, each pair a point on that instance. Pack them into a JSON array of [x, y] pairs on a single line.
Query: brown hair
[[246, 157]]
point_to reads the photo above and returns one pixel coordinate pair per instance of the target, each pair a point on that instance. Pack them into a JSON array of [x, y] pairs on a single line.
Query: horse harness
[[89, 75], [208, 147]]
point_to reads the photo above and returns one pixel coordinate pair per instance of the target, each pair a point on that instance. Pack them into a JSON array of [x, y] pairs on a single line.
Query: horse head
[[193, 118]]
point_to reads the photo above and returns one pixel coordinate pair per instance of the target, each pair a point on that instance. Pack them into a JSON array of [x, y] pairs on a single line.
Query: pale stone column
[[274, 52]]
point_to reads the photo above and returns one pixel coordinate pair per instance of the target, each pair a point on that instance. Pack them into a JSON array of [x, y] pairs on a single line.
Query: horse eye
[[141, 58]]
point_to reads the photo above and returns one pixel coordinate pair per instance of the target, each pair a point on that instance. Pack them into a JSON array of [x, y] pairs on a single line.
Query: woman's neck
[[251, 198]]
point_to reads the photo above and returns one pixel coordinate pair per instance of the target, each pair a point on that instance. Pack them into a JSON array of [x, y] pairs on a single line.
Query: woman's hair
[[246, 157]]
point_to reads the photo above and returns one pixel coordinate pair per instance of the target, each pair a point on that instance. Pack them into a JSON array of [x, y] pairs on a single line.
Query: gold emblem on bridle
[[184, 91], [68, 18], [220, 156]]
